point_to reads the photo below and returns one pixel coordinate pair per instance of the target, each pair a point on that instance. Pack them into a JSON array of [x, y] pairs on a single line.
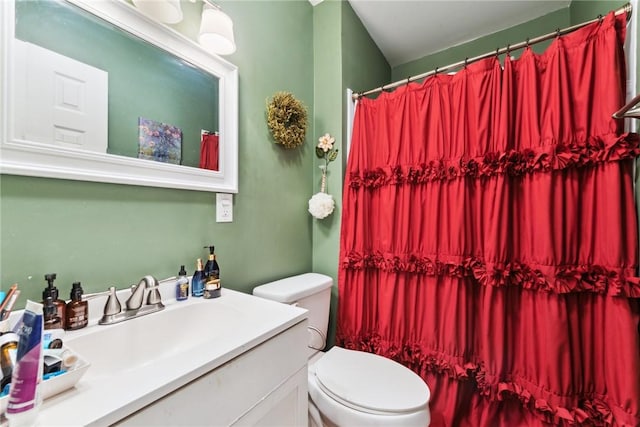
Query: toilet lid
[[370, 383]]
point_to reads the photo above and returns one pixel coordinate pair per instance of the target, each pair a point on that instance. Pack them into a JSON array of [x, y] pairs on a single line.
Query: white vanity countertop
[[163, 354]]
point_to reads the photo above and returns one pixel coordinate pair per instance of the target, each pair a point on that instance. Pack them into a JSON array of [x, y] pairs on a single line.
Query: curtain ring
[[466, 61], [508, 49], [408, 80], [600, 18], [436, 71], [497, 50], [527, 41], [558, 32]]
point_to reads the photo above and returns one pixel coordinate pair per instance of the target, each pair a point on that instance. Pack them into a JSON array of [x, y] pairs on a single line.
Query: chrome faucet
[[137, 293], [134, 307]]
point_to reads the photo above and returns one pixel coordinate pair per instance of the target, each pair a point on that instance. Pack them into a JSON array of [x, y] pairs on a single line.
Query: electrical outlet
[[224, 207]]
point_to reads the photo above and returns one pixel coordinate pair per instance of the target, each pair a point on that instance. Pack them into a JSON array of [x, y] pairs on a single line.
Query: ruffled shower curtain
[[489, 237], [209, 151]]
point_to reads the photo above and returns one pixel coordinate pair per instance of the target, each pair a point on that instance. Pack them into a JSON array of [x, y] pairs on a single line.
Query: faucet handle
[[154, 297], [112, 306]]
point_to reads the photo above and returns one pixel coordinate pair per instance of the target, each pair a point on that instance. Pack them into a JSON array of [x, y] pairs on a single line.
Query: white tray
[[57, 384]]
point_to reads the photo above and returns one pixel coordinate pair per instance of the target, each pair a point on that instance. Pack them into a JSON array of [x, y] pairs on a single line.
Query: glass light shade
[[167, 11], [216, 31]]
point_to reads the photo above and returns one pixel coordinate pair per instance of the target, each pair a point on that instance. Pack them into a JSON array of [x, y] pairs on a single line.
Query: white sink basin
[[130, 345], [136, 362]]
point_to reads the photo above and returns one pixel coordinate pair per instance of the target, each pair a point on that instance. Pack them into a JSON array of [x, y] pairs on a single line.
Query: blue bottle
[[197, 282]]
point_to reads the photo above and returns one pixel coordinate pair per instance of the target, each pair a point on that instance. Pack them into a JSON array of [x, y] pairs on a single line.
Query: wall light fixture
[[216, 30], [167, 11]]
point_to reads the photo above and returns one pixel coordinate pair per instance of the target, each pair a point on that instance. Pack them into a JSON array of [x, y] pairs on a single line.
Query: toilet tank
[[311, 291]]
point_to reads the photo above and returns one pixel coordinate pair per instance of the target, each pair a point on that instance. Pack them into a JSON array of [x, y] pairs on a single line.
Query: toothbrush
[[6, 299], [11, 301]]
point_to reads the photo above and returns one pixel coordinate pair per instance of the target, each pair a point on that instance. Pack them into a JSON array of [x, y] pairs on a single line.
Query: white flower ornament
[[321, 205], [326, 142]]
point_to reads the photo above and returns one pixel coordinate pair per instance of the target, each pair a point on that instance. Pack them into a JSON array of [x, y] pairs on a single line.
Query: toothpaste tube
[[27, 373]]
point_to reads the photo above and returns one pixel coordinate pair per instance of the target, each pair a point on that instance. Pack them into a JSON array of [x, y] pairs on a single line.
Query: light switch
[[224, 207]]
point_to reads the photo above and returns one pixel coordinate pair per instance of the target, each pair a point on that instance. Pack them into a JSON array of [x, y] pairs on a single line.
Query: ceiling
[[406, 30]]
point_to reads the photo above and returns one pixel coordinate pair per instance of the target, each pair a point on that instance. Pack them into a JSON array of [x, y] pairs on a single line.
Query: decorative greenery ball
[[287, 119]]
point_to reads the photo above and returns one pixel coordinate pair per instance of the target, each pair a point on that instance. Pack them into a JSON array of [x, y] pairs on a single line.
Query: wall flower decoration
[[321, 204]]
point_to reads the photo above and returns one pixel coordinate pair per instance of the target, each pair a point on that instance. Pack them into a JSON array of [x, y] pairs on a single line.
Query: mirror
[[147, 111]]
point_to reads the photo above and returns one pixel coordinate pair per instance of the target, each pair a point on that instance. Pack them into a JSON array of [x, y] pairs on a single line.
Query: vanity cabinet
[[264, 386]]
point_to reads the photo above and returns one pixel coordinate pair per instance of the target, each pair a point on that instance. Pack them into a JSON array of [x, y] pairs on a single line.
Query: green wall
[[513, 35], [107, 234], [586, 10], [578, 11], [342, 59], [328, 103]]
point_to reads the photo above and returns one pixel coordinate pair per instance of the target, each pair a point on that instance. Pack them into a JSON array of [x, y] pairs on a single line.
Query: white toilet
[[346, 387]]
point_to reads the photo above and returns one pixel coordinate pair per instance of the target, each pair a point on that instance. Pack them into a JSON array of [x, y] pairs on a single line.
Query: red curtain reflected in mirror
[[209, 151], [489, 237]]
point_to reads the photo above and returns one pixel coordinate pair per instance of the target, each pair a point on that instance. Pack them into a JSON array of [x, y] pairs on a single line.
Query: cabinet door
[[286, 406]]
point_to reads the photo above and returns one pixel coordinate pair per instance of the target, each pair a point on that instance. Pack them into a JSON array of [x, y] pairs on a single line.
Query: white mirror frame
[[21, 157]]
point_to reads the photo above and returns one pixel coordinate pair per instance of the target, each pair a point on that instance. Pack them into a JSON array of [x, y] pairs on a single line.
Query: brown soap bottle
[[52, 292], [77, 311]]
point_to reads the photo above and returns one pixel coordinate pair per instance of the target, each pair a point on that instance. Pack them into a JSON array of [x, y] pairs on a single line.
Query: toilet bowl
[[347, 387], [354, 388]]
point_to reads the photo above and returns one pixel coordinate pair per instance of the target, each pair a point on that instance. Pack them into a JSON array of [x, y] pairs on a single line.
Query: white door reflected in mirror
[[59, 100]]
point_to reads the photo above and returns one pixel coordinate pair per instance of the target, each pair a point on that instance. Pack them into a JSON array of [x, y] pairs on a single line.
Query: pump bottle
[[77, 311], [51, 318], [211, 268], [52, 292], [182, 285], [212, 275]]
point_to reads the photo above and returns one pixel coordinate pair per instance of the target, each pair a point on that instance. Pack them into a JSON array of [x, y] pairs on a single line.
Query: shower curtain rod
[[627, 8]]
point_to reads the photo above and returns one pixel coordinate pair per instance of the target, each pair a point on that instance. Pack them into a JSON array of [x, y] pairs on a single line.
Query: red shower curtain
[[209, 151], [489, 237]]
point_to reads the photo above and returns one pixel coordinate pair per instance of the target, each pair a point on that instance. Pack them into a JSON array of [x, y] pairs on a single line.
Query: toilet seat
[[370, 383]]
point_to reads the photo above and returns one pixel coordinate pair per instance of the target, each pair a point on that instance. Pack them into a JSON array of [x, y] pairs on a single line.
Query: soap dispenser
[[77, 311], [211, 268], [51, 318], [182, 285], [212, 275], [52, 292]]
